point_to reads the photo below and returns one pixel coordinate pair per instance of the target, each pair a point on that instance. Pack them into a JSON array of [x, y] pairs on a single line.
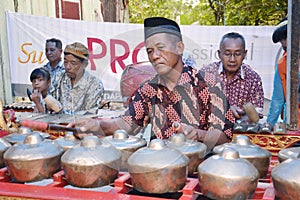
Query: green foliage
[[211, 12], [254, 12], [141, 9]]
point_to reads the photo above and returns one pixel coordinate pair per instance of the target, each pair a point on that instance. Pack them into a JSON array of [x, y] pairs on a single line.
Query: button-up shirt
[[56, 75], [246, 85], [196, 100], [86, 94]]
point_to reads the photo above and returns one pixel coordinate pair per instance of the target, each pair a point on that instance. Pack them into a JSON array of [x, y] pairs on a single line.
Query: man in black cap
[[279, 92], [177, 99]]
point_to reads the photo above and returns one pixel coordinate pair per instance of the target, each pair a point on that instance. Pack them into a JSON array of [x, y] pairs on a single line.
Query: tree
[[256, 12], [211, 12], [139, 9]]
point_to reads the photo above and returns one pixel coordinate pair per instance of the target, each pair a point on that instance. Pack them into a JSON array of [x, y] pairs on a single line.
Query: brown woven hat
[[77, 49]]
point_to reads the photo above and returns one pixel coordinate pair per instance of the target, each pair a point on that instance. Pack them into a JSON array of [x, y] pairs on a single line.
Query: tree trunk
[[293, 62], [110, 10]]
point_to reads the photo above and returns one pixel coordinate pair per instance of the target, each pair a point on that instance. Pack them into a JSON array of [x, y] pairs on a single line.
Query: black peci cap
[[156, 25], [280, 31]]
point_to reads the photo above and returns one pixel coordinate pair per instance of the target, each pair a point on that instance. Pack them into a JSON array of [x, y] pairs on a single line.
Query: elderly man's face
[[164, 52], [73, 66], [52, 52], [232, 54]]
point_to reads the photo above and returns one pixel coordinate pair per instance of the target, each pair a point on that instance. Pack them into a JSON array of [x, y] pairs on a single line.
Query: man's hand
[[189, 131], [241, 114], [210, 138], [86, 126], [237, 111]]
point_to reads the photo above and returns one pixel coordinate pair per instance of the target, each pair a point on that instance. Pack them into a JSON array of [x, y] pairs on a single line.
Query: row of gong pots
[[161, 167]]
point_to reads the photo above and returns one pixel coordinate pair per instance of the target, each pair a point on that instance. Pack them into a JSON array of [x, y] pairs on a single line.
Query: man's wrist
[[200, 135], [99, 129]]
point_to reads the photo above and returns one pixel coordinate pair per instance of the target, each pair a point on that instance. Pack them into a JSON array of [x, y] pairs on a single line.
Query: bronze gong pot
[[33, 160], [226, 176], [256, 155], [287, 153], [94, 163], [158, 169], [4, 145], [68, 141], [194, 150], [22, 133], [286, 179], [127, 145]]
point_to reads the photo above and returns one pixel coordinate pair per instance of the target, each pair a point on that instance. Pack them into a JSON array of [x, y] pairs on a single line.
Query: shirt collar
[[241, 71], [185, 78], [81, 82], [59, 65]]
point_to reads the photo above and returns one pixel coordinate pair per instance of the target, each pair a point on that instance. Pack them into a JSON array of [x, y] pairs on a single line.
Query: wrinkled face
[[164, 52], [40, 84], [52, 52], [73, 66], [283, 44], [232, 53]]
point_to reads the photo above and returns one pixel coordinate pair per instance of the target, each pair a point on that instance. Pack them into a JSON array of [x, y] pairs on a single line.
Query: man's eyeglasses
[[237, 54]]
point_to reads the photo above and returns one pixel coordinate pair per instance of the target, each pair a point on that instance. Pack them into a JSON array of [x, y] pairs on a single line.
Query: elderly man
[[78, 89], [53, 51], [177, 99], [242, 84]]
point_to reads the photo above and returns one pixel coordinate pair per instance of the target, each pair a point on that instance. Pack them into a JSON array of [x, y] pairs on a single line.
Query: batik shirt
[[191, 101], [86, 94], [246, 85], [56, 74]]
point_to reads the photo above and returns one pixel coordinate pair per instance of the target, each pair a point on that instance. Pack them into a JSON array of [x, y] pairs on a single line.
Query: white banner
[[115, 45]]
